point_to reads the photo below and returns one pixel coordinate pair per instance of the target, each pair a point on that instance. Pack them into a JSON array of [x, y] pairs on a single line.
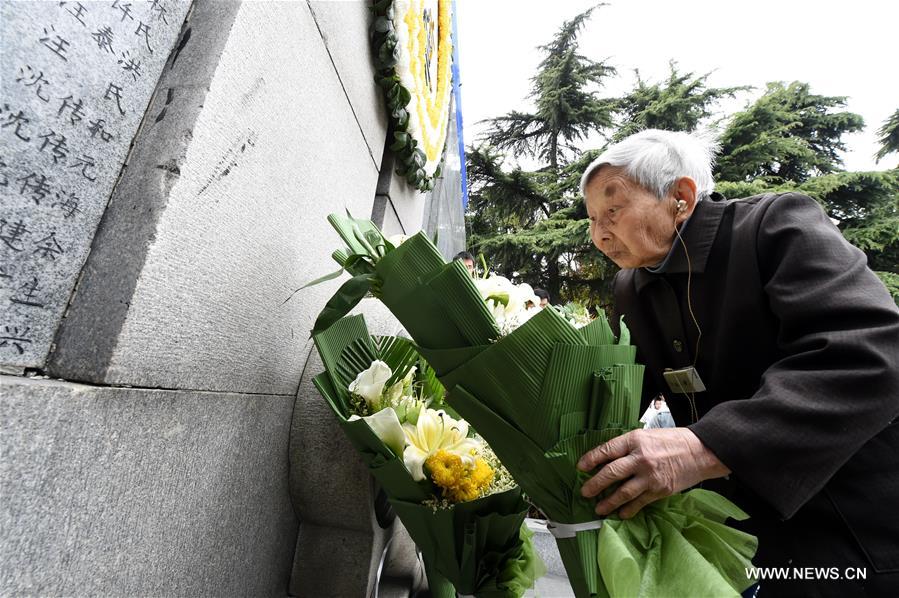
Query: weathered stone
[[546, 547], [133, 492], [242, 223], [77, 78], [408, 203], [551, 586], [345, 525], [344, 28], [385, 217]]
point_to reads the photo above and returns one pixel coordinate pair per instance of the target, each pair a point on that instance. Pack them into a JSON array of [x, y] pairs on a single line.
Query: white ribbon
[[570, 530]]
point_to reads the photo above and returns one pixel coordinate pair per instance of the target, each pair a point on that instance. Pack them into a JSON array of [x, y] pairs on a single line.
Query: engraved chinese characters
[[76, 80]]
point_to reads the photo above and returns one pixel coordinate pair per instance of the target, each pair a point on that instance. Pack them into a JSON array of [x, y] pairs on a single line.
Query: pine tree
[[565, 91], [531, 224], [788, 134], [889, 137], [678, 104], [520, 232]]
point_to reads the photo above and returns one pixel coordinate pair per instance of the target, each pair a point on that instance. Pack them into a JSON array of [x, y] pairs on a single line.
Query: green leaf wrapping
[[482, 545], [346, 298], [542, 396], [478, 547], [353, 231], [322, 279], [399, 354], [425, 293]]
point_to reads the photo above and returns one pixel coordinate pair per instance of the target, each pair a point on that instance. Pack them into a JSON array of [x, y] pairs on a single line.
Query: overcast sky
[[843, 48]]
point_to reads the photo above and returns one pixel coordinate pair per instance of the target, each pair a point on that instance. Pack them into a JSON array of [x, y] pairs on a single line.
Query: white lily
[[393, 394], [408, 408], [386, 426], [508, 302], [408, 379], [369, 384], [434, 431], [400, 390], [526, 294]]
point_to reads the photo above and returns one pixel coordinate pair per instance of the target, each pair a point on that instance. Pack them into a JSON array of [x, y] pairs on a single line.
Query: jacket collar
[[698, 237]]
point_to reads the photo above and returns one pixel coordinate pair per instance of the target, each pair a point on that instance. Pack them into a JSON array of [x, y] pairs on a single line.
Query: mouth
[[621, 258]]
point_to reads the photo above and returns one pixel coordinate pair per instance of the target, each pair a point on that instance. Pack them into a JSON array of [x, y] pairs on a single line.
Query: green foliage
[[533, 227], [531, 224], [891, 282], [678, 104], [889, 137], [528, 222], [788, 134], [565, 91]]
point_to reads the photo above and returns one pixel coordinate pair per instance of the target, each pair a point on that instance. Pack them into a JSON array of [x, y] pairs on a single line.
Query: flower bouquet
[[458, 503], [543, 394], [510, 304], [576, 314]]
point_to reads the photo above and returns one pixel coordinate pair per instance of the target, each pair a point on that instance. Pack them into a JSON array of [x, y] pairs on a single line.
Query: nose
[[600, 234]]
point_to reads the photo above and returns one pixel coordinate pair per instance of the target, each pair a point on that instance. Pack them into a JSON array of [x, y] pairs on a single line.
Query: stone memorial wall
[[76, 81], [166, 170]]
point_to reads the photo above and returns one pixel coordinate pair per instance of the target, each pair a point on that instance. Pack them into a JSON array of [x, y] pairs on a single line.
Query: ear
[[684, 190]]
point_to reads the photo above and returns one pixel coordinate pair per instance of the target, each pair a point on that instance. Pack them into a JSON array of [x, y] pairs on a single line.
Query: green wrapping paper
[[648, 555], [460, 543], [542, 396], [478, 547]]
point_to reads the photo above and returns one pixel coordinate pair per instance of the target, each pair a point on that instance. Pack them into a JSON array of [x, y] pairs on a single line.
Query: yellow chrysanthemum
[[446, 469], [482, 474], [435, 431], [458, 481]]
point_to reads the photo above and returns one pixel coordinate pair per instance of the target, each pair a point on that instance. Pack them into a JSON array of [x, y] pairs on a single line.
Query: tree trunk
[[554, 285], [554, 153]]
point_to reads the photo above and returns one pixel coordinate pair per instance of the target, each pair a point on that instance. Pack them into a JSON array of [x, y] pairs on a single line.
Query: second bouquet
[[459, 504]]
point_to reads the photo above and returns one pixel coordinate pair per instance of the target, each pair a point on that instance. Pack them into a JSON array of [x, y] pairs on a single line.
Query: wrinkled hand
[[651, 464]]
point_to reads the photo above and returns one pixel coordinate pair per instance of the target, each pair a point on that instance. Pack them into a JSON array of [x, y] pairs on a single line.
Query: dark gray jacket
[[800, 356]]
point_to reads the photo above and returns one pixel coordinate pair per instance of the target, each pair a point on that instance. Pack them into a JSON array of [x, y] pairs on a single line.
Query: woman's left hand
[[651, 464]]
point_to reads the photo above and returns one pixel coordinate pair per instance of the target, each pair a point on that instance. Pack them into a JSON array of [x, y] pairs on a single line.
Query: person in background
[[662, 418], [544, 297], [467, 259], [656, 406]]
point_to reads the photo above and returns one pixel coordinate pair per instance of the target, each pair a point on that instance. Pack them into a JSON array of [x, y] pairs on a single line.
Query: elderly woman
[[779, 351]]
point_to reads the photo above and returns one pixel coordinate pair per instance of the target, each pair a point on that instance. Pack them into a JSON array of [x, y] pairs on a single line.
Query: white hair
[[656, 159]]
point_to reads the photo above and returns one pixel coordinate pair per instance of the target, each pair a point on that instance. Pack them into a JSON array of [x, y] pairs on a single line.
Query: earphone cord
[[690, 396]]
